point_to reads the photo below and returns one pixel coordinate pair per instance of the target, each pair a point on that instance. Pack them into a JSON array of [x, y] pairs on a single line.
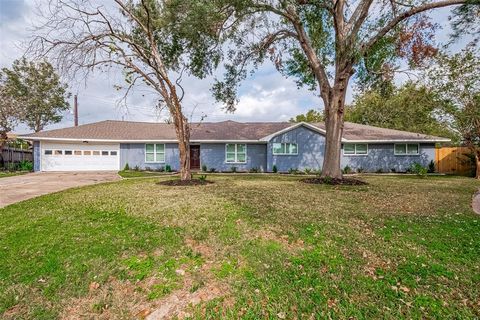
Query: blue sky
[[265, 96]]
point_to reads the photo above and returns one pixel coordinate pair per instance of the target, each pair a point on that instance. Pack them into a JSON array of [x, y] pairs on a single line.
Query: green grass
[[4, 174], [400, 247], [141, 174]]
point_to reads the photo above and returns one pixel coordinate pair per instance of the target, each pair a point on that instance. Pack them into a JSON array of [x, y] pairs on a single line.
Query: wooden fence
[[454, 160], [13, 155]]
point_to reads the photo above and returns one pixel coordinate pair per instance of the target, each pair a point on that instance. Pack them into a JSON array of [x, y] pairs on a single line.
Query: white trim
[[155, 153], [236, 152], [397, 141], [284, 154], [355, 154], [300, 124], [261, 141], [406, 150], [140, 141]]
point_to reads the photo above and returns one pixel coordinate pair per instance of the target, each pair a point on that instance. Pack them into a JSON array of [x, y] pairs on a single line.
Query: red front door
[[195, 157]]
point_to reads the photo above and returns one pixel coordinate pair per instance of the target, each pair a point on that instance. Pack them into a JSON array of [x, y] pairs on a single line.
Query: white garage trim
[[61, 156]]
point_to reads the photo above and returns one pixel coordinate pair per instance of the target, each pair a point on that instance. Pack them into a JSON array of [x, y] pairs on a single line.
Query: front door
[[195, 157]]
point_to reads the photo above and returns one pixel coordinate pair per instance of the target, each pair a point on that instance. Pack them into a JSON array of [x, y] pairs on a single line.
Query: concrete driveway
[[23, 187]]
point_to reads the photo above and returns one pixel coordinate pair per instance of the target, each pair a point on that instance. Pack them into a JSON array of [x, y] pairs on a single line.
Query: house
[[110, 145]]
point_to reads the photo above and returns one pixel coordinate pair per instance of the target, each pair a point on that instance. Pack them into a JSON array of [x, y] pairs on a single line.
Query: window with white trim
[[236, 153], [285, 149], [155, 152], [355, 149], [407, 149]]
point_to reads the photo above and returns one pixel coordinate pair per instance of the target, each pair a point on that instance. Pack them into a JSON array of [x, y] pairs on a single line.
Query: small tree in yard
[[145, 38], [324, 43], [38, 88]]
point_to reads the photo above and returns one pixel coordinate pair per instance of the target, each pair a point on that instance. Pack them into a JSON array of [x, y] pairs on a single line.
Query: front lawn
[[4, 174], [245, 246]]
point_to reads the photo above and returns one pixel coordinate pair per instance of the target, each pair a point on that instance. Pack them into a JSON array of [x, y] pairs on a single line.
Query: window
[[77, 152], [58, 152], [235, 153], [355, 149], [409, 149], [48, 152], [87, 153], [113, 153], [285, 149], [96, 153], [104, 153], [68, 152], [153, 152]]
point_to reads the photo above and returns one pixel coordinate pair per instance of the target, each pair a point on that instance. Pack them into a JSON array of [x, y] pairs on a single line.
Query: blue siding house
[[227, 146]]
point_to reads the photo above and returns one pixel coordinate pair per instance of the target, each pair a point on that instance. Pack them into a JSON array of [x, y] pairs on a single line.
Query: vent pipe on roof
[[75, 111]]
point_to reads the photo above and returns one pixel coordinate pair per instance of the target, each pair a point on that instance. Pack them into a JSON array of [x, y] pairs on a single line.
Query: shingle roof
[[226, 130]]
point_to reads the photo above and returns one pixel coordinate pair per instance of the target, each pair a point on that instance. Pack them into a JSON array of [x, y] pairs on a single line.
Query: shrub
[[233, 169], [393, 170], [168, 168], [25, 165], [137, 168], [274, 168], [294, 171], [347, 170], [204, 168], [254, 170], [203, 178], [307, 170], [212, 170], [360, 170], [431, 166], [418, 169], [318, 172], [127, 167]]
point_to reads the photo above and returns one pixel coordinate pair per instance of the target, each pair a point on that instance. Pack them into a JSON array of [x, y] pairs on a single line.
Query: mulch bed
[[180, 183], [344, 181]]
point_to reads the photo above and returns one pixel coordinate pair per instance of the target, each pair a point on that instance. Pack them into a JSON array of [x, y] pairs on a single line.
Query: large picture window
[[155, 152], [355, 149], [235, 153], [407, 149], [285, 149]]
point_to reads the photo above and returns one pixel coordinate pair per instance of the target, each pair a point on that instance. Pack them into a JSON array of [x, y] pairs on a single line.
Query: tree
[[311, 116], [323, 43], [412, 107], [456, 79], [38, 88], [146, 39], [10, 113]]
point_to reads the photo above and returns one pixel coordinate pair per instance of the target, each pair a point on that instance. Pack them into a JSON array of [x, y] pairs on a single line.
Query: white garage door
[[79, 157]]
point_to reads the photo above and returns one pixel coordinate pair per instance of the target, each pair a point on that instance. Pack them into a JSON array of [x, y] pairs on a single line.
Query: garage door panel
[[79, 157]]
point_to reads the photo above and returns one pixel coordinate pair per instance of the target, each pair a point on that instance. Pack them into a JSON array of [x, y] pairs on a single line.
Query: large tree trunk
[[477, 164], [334, 118], [182, 129]]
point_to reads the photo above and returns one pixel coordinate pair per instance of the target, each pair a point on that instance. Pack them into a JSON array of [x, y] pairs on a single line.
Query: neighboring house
[[110, 145]]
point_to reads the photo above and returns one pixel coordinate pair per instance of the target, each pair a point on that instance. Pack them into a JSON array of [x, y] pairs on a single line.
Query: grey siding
[[134, 155], [311, 150], [213, 156], [36, 156], [381, 156]]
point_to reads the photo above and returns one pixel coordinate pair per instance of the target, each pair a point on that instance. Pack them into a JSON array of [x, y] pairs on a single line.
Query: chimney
[[75, 110]]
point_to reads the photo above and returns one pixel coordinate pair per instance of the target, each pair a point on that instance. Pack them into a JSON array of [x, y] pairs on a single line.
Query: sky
[[264, 96]]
